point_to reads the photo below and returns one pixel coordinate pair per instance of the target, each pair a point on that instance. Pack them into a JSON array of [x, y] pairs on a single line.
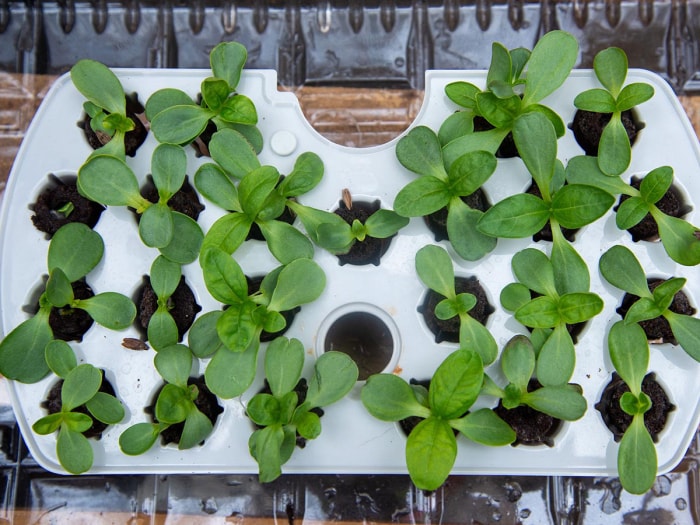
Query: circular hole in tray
[[364, 332]]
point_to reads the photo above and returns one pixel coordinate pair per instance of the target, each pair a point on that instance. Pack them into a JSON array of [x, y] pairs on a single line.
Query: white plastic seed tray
[[352, 441]]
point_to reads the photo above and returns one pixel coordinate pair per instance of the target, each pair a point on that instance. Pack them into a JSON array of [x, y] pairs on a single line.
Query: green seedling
[[232, 337], [282, 414], [678, 236], [259, 198], [610, 66], [165, 277], [561, 205], [636, 456], [81, 401], [434, 267], [547, 298], [175, 118], [431, 447], [109, 181], [517, 82], [440, 186], [175, 404], [518, 362], [621, 268], [105, 105], [74, 251]]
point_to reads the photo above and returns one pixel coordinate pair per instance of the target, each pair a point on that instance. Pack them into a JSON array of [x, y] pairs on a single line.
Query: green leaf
[[596, 100], [500, 66], [264, 410], [202, 337], [636, 458], [211, 181], [180, 124], [434, 268], [621, 268], [106, 408], [485, 427], [686, 330], [499, 112], [265, 445], [584, 169], [110, 309], [610, 66], [447, 308], [463, 232], [549, 65], [614, 149], [431, 450], [255, 189], [420, 152], [470, 171], [76, 249], [462, 93], [308, 425], [285, 242], [223, 276], [557, 358], [109, 181], [239, 109], [168, 167], [390, 398], [422, 197], [514, 217], [541, 312], [629, 352], [634, 94], [229, 374], [480, 141], [284, 361], [561, 402], [575, 206], [630, 212], [305, 176], [518, 361], [335, 373], [79, 385], [48, 424], [60, 357], [165, 98], [138, 438], [656, 183], [634, 405], [336, 237], [156, 227], [227, 233], [679, 237], [214, 91], [533, 269], [233, 153], [475, 336], [197, 427], [665, 292], [237, 327], [570, 270], [577, 307], [227, 60], [455, 126], [299, 282], [643, 309], [174, 364], [22, 356], [384, 223], [536, 140], [514, 295], [99, 85], [59, 291], [74, 451], [165, 277], [186, 242], [456, 384], [173, 404]]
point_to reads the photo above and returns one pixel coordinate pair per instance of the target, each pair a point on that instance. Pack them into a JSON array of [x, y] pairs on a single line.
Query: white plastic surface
[[352, 441]]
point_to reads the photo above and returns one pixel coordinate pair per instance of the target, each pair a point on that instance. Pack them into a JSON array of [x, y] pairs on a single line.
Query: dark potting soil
[[70, 324], [370, 250], [658, 330], [671, 204], [185, 200], [182, 305], [588, 127], [132, 139], [545, 234], [52, 404], [301, 389], [507, 149], [205, 401], [437, 221], [617, 420], [289, 315], [60, 203], [531, 426], [448, 329]]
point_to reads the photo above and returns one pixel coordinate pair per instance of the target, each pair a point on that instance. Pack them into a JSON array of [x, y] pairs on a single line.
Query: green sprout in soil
[[548, 298], [81, 401], [518, 362], [621, 268], [74, 251], [610, 66], [431, 447], [440, 187], [164, 277], [175, 118], [434, 268], [175, 404], [111, 182], [283, 414], [678, 236]]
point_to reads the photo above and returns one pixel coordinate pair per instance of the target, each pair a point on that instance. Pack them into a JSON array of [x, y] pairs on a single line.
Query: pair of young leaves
[[175, 404], [74, 251], [280, 414], [622, 269], [81, 387], [110, 181]]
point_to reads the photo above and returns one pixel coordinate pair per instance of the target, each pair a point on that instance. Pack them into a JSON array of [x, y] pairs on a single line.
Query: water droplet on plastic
[[209, 506], [525, 513], [681, 504], [513, 491], [661, 486]]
